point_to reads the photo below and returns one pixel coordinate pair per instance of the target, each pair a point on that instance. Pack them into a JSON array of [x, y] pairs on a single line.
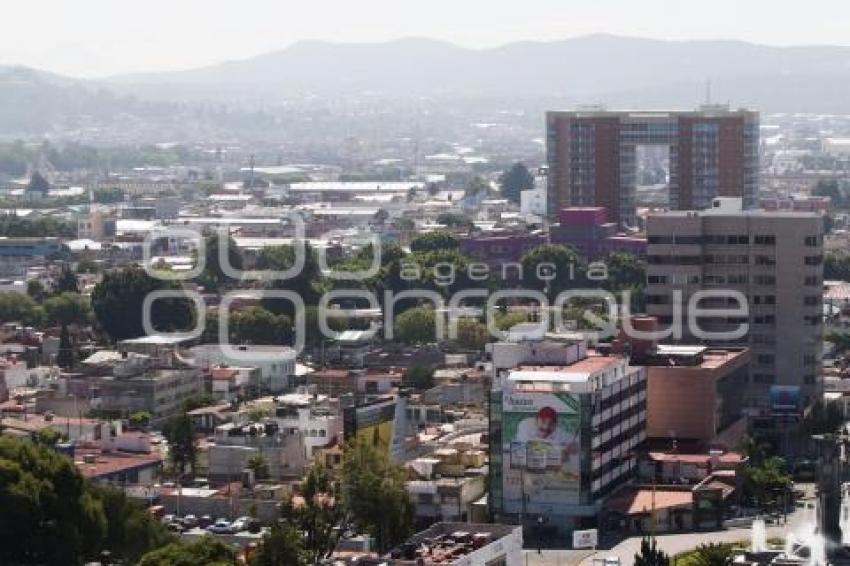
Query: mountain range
[[618, 71]]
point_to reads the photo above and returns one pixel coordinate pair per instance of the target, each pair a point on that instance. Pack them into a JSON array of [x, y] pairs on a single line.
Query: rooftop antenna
[[708, 91]]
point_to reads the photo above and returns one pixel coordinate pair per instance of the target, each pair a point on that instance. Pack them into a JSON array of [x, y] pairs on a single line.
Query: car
[[168, 519], [240, 524], [176, 527], [190, 521], [221, 527], [205, 521]]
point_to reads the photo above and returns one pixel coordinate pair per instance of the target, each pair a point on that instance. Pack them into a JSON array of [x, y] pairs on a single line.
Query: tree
[[139, 419], [66, 282], [472, 334], [283, 545], [65, 356], [213, 276], [307, 284], [476, 186], [131, 530], [66, 309], [375, 495], [318, 516], [419, 377], [259, 465], [712, 555], [515, 180], [454, 220], [553, 267], [256, 325], [49, 514], [208, 551], [650, 554], [15, 307], [432, 241], [36, 290], [625, 271], [118, 299], [182, 447], [38, 184], [416, 326], [763, 482]]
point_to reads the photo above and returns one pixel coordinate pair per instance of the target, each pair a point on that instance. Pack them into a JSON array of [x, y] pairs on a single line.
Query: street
[[672, 544]]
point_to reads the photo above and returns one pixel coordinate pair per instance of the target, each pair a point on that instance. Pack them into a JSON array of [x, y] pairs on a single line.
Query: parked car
[[190, 521], [240, 524], [221, 527], [176, 527], [205, 521], [168, 519]]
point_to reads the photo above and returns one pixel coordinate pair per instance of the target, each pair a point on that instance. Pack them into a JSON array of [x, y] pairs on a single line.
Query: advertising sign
[[785, 400], [540, 451], [585, 539]]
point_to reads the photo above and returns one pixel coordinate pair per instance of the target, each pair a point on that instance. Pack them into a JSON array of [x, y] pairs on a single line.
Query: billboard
[[382, 423], [540, 451], [785, 400]]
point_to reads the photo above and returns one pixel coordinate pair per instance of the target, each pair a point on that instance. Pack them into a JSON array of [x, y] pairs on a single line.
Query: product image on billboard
[[540, 450]]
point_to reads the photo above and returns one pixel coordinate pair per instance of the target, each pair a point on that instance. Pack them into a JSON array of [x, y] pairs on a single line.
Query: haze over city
[[101, 38]]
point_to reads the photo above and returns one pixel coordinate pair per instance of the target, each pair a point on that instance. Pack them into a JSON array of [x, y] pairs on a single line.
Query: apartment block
[[592, 156], [773, 259]]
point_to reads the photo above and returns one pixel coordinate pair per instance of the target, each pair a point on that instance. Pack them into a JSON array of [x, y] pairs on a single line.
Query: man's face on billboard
[[546, 423]]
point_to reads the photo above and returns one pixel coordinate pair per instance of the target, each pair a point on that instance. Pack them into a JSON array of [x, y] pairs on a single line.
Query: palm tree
[[713, 555]]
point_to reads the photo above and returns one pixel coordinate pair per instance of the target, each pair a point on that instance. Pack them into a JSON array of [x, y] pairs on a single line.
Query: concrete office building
[[592, 155], [562, 435], [775, 259]]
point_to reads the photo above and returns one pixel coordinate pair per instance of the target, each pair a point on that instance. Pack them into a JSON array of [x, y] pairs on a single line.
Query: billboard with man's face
[[540, 451]]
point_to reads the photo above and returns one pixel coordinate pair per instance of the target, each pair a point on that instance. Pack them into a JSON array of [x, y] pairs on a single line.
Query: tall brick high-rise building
[[592, 157]]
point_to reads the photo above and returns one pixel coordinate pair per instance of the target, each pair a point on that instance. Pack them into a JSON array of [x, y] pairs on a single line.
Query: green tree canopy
[[283, 545], [419, 377], [182, 446], [416, 326], [433, 241], [213, 276], [65, 357], [208, 551], [472, 334], [66, 309], [375, 495], [118, 299], [515, 180], [552, 266], [256, 325], [66, 282], [51, 515], [15, 307]]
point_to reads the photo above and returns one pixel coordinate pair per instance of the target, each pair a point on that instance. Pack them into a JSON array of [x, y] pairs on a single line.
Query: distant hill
[[595, 68], [617, 71]]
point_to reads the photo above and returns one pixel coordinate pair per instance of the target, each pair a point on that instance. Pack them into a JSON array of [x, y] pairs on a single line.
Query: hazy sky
[[102, 37]]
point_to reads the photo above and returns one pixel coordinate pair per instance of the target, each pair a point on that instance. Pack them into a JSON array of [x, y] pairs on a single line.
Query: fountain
[[758, 541]]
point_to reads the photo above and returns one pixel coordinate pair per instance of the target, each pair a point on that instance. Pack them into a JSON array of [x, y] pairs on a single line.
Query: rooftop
[[98, 464]]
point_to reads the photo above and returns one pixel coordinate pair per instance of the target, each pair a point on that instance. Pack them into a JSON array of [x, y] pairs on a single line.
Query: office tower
[[592, 155], [775, 259], [565, 423]]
